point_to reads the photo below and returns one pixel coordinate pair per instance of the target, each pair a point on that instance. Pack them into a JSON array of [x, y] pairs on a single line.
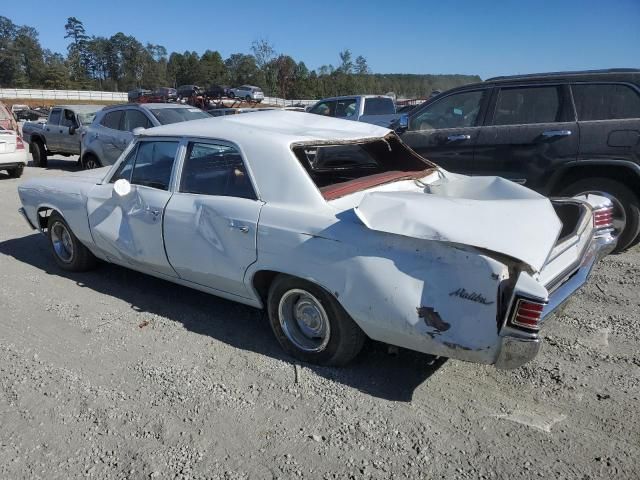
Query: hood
[[93, 175], [484, 212]]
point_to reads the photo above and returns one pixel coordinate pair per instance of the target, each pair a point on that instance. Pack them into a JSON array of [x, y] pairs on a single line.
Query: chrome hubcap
[[91, 163], [619, 215], [62, 243], [304, 320]]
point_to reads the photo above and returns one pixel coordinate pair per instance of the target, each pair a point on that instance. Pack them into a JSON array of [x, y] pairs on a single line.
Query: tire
[[336, 343], [627, 201], [16, 172], [90, 162], [39, 154], [247, 99], [232, 95], [67, 250]]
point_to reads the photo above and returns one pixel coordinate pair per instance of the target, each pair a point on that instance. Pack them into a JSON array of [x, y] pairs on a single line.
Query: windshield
[[174, 115], [86, 117], [379, 106]]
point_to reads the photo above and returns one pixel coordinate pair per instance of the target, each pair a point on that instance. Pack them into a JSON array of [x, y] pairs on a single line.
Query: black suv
[[561, 134]]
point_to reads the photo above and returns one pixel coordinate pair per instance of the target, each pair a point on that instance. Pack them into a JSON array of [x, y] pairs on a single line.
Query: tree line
[[121, 63]]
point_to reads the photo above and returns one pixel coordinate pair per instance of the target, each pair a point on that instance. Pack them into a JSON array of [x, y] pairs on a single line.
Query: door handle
[[458, 138], [242, 228], [152, 211], [556, 133]]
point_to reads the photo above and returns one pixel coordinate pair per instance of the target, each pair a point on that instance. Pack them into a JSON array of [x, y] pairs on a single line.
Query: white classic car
[[337, 229]]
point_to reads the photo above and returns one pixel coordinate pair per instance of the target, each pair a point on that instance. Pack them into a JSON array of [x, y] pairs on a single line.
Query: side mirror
[[122, 187], [72, 130], [137, 131]]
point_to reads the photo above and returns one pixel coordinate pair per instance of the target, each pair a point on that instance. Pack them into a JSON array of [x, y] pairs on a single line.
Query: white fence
[[31, 94], [35, 94]]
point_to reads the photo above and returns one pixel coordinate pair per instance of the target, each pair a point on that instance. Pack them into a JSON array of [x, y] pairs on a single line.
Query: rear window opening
[[341, 169]]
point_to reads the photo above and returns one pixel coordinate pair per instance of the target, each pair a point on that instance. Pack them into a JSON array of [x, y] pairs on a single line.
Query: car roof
[[272, 126], [155, 106], [81, 108]]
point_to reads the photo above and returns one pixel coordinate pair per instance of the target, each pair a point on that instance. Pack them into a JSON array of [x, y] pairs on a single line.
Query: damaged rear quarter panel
[[399, 290]]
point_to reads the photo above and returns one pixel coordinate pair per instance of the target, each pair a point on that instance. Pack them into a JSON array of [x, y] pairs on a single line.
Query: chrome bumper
[[516, 351], [24, 215]]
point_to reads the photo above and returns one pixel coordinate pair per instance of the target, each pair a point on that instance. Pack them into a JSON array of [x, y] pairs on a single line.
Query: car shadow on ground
[[61, 164], [375, 371]]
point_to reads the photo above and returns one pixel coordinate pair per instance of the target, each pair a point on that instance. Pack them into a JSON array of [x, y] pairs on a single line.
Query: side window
[[126, 167], [68, 119], [606, 102], [54, 118], [112, 120], [454, 111], [134, 119], [215, 170], [153, 165], [346, 108], [522, 106], [325, 108]]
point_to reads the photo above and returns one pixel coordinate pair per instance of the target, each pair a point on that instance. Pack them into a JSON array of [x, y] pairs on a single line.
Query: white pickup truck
[[61, 134], [375, 109]]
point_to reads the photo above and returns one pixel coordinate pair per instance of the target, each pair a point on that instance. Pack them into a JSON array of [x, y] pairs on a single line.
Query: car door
[[445, 130], [128, 228], [326, 108], [106, 137], [347, 108], [132, 119], [211, 221], [52, 129], [529, 130], [69, 143]]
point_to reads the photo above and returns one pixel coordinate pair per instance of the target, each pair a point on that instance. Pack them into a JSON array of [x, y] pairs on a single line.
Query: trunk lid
[[484, 212], [7, 141]]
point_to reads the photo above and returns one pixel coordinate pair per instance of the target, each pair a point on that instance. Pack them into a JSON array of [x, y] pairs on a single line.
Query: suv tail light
[[603, 217], [527, 314], [19, 144]]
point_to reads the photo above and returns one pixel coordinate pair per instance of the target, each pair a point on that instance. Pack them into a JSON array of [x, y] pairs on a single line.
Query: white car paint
[[12, 150], [433, 264]]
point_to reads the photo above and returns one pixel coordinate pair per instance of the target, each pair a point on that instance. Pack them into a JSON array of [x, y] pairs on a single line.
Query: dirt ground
[[112, 374]]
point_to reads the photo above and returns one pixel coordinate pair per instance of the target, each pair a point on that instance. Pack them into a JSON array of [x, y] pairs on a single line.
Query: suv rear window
[[174, 115], [605, 102], [379, 106], [521, 106]]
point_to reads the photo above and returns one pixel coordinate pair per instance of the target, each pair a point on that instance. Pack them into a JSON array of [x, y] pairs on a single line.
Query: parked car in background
[[216, 91], [557, 133], [13, 155], [61, 134], [186, 91], [7, 120], [135, 94], [376, 109], [112, 130], [247, 92], [367, 239], [165, 94], [30, 115]]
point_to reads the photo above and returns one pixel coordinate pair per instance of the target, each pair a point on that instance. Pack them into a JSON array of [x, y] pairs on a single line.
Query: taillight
[[19, 144], [527, 314], [603, 217]]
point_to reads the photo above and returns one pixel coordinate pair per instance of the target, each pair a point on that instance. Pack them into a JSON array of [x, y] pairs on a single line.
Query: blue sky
[[485, 37]]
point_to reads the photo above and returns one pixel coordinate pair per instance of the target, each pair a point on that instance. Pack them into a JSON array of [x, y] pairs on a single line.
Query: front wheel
[[310, 324], [626, 206], [67, 250], [232, 95], [90, 162]]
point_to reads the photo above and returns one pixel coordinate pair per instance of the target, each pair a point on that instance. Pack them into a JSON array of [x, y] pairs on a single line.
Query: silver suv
[[248, 93], [112, 129]]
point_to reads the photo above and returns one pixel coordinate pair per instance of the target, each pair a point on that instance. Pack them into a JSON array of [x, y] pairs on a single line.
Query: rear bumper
[[515, 351]]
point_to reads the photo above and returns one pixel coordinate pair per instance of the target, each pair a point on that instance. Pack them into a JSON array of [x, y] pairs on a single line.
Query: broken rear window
[[344, 168]]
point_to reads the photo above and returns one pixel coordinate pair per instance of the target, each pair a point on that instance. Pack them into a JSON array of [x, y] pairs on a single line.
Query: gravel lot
[[114, 374]]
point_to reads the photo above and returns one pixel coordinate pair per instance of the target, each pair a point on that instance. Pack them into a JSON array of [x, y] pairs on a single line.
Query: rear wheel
[[39, 154], [16, 172], [626, 206], [67, 250], [310, 324], [247, 98]]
